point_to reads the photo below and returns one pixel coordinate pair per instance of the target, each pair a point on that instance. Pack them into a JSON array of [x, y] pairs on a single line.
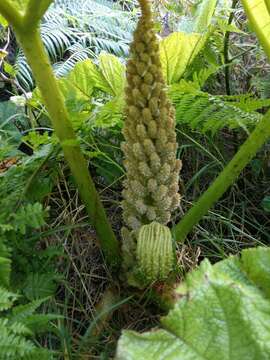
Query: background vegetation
[[58, 299]]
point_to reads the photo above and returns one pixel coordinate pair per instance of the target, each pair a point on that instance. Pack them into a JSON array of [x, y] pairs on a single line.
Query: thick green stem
[[267, 4], [226, 178], [10, 13], [42, 70], [34, 12], [258, 16]]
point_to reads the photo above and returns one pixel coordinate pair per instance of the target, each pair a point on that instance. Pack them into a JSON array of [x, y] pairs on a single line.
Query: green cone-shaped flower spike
[[155, 251], [151, 188]]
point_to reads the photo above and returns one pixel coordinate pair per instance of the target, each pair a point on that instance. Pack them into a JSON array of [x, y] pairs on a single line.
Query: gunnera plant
[[152, 171]]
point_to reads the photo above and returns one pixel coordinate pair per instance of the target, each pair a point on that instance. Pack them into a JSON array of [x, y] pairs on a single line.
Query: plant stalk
[[10, 13], [267, 4], [258, 15], [46, 81], [225, 179], [227, 61], [34, 12]]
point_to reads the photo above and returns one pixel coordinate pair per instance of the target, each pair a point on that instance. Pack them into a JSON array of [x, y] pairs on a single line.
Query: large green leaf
[[177, 51], [204, 15], [113, 72], [86, 77], [222, 313], [111, 113], [109, 77], [77, 89], [258, 14], [79, 83]]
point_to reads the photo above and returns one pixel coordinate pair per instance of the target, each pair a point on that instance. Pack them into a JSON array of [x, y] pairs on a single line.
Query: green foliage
[[199, 16], [210, 113], [10, 115], [74, 30], [113, 72], [259, 17], [30, 215], [220, 309], [95, 93], [23, 187], [177, 51], [203, 15], [6, 297], [16, 329], [39, 285], [266, 203], [5, 269], [14, 185], [18, 324], [110, 113], [88, 86]]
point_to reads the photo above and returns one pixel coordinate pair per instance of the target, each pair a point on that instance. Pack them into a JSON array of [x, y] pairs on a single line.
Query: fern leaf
[[40, 323], [21, 312], [5, 269], [12, 345], [209, 113], [36, 323], [40, 285], [31, 215], [73, 30], [245, 102], [6, 299]]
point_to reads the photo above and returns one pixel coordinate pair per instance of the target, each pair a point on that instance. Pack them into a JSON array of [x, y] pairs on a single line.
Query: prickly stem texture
[[151, 186]]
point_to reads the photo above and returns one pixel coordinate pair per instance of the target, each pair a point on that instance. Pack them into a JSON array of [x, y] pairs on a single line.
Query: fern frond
[[17, 328], [6, 299], [22, 312], [246, 102], [76, 29], [19, 324], [31, 215], [77, 52], [23, 71], [5, 269], [12, 345], [25, 315], [40, 323], [209, 113]]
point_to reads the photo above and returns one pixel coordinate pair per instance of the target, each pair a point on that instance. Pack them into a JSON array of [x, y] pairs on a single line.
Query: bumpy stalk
[[151, 187]]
